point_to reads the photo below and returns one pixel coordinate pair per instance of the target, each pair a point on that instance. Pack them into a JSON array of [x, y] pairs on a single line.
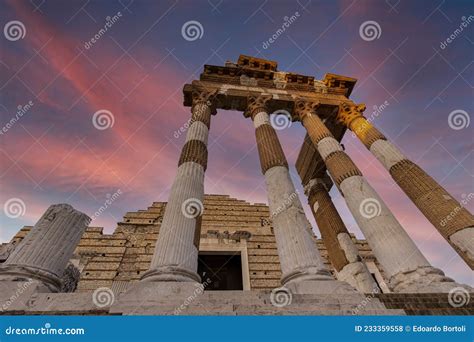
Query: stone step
[[316, 312]]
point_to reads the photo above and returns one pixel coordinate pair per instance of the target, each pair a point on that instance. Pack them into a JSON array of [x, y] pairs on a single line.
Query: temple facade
[[210, 254]]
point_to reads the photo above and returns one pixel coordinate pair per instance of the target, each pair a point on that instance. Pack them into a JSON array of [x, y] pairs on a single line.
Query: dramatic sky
[[54, 153]]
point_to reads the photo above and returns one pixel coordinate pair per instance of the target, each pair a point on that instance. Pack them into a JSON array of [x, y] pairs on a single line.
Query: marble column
[[176, 252], [342, 252], [402, 261], [46, 250], [451, 219], [299, 257]]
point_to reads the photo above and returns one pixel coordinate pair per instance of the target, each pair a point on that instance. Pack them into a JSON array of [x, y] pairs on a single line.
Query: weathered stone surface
[[389, 241], [129, 264], [43, 254], [424, 280], [464, 242], [298, 256], [440, 208], [342, 252]]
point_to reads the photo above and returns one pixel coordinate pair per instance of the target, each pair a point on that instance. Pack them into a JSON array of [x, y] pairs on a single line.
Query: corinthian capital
[[305, 107], [348, 112], [256, 104], [205, 97]]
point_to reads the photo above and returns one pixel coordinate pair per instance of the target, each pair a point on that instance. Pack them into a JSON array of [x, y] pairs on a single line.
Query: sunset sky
[[54, 154]]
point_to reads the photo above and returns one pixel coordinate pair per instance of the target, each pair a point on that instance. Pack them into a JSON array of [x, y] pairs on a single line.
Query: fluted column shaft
[[299, 258], [46, 250], [176, 252], [404, 264], [454, 222], [342, 252]]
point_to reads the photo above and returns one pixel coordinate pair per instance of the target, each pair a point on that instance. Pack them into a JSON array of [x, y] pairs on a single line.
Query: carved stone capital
[[205, 97], [257, 104], [325, 182], [348, 113], [305, 107]]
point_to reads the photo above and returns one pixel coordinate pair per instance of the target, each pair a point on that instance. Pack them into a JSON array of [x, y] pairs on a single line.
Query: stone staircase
[[427, 303], [254, 303], [167, 299]]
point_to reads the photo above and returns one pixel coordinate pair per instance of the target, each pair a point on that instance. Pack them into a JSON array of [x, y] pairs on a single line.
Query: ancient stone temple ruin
[[213, 254]]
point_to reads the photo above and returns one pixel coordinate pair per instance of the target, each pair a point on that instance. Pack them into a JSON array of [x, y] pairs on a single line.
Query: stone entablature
[[263, 73]]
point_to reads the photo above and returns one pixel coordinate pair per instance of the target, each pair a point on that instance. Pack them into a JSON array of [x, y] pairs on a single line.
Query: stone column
[[176, 252], [450, 218], [46, 250], [299, 257], [403, 263], [342, 253]]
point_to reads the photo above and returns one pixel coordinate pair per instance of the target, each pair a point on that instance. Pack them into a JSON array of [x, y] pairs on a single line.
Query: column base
[[152, 297], [306, 274], [357, 275], [22, 273], [323, 287], [17, 295], [170, 274], [423, 280]]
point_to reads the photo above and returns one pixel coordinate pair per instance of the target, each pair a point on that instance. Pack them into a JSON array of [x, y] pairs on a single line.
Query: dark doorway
[[224, 271]]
